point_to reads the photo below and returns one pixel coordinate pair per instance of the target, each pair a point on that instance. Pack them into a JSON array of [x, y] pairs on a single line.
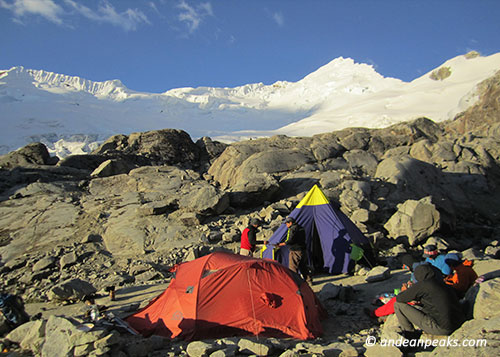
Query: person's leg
[[304, 269], [294, 260], [409, 316], [406, 317]]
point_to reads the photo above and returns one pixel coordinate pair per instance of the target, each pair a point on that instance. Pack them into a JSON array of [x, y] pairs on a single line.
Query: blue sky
[[157, 45]]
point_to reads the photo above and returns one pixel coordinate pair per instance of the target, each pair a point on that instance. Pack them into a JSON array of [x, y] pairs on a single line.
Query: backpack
[[12, 308]]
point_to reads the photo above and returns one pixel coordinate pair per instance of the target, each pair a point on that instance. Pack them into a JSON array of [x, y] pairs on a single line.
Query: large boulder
[[30, 335], [378, 273], [38, 221], [440, 152], [487, 302], [361, 160], [31, 154], [149, 208], [63, 338], [204, 198], [209, 148], [253, 190], [243, 161], [72, 289], [477, 337], [408, 174], [111, 168], [156, 147], [416, 220]]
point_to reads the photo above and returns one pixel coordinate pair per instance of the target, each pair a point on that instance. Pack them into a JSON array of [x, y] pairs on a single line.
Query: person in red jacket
[[249, 238], [463, 276]]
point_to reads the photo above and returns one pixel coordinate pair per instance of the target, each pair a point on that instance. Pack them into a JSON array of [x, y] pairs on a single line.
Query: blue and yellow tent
[[329, 234]]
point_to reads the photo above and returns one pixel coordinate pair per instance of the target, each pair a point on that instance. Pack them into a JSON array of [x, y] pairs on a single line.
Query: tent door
[[316, 262]]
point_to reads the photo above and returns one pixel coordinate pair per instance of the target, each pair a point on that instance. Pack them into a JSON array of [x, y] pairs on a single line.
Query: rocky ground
[[346, 329], [124, 214]]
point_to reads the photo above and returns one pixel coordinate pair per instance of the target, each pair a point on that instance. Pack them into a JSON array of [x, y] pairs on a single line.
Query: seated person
[[463, 276], [439, 311], [433, 257]]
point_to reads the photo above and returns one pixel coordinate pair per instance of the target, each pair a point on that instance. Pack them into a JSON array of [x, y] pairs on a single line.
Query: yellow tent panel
[[313, 198]]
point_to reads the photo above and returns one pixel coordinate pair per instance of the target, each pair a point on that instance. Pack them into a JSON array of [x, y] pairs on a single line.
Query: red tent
[[224, 294]]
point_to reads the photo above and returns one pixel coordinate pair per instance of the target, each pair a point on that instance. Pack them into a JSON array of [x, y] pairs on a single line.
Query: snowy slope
[[72, 115]]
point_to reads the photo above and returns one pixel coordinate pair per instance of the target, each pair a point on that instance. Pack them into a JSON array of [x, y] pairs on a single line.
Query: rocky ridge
[[127, 212]]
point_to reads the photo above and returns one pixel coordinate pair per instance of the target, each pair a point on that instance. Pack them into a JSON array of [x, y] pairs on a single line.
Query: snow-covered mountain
[[73, 115]]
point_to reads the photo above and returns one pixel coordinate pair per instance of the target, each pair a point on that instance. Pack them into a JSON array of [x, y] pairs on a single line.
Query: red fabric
[[245, 244], [221, 294], [386, 309]]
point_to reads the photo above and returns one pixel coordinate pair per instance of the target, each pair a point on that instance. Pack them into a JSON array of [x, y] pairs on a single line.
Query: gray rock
[[199, 349], [212, 148], [481, 333], [68, 260], [111, 168], [148, 276], [378, 273], [71, 289], [383, 351], [137, 348], [390, 328], [204, 198], [360, 215], [487, 303], [35, 153], [439, 242], [329, 291], [80, 337], [362, 160], [168, 146], [83, 350], [472, 254], [227, 351], [415, 220], [30, 335], [110, 339], [259, 348], [253, 190], [189, 219], [58, 332], [42, 264], [337, 349], [492, 251]]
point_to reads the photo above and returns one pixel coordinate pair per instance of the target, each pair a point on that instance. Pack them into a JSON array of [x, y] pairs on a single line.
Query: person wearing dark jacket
[[440, 312], [249, 238], [296, 243]]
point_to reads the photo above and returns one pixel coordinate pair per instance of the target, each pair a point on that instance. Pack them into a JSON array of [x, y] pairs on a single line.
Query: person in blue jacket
[[433, 257]]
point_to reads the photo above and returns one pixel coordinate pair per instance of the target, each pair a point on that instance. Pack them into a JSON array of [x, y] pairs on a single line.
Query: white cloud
[[106, 13], [279, 18], [193, 16], [153, 6], [45, 8]]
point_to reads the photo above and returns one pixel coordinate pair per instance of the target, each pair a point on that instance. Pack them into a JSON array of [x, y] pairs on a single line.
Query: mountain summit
[[72, 115]]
